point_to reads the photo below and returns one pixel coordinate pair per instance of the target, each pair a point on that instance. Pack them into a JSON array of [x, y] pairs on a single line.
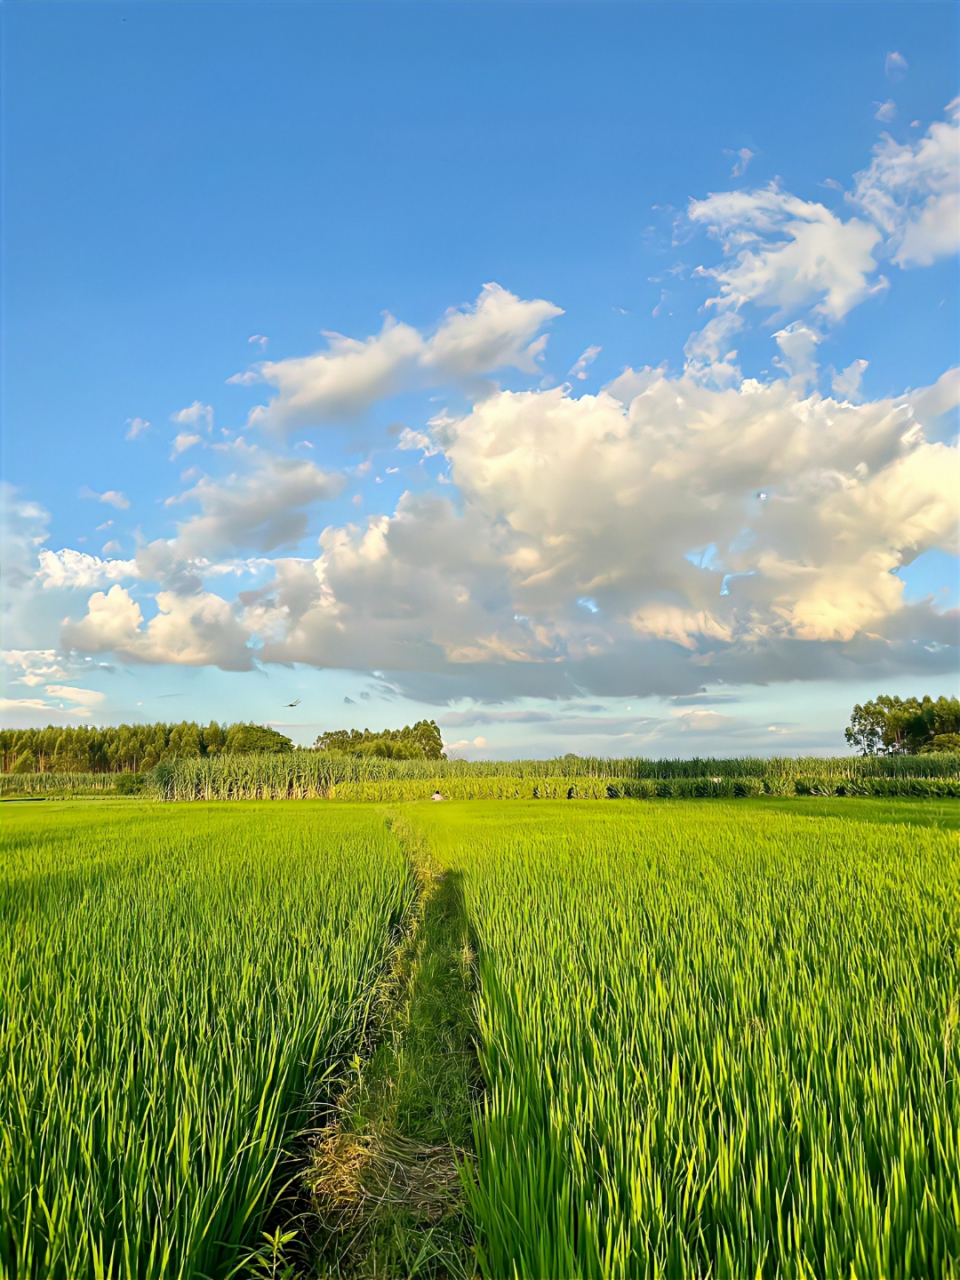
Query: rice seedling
[[178, 987], [717, 1041]]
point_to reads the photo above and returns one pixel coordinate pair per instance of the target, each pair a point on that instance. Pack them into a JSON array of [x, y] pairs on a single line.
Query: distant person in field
[[436, 796]]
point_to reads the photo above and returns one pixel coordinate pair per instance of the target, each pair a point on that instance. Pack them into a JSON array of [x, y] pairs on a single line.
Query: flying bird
[[292, 704]]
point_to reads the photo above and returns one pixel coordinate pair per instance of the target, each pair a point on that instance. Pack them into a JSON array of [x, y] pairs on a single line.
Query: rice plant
[[717, 1041], [176, 987]]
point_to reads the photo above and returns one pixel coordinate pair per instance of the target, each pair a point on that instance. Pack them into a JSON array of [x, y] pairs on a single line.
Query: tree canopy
[[128, 748], [244, 739], [905, 726], [413, 742]]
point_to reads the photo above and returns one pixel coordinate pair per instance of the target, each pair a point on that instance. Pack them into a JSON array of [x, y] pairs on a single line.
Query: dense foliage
[[176, 987], [131, 748], [137, 748], [716, 1042], [905, 726], [421, 741], [299, 775], [302, 774]]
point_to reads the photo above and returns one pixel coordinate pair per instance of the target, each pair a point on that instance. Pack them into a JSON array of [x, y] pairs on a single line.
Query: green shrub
[[129, 784]]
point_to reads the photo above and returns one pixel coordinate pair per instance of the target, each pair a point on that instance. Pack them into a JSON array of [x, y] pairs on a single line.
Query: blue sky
[[755, 203]]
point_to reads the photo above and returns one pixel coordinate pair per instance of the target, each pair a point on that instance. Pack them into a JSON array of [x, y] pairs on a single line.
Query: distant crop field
[[717, 1040], [176, 985], [714, 1040]]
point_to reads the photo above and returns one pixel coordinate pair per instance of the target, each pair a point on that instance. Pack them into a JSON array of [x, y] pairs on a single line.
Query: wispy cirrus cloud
[[70, 693], [43, 707], [895, 67], [579, 370], [742, 160]]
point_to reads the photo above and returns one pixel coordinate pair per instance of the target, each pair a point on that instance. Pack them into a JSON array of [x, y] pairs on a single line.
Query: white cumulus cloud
[[709, 354], [263, 508], [183, 441], [112, 497], [807, 503], [33, 666], [797, 343], [498, 331], [911, 191], [787, 253], [748, 528], [340, 383], [196, 414], [343, 380], [73, 569], [847, 383], [195, 630]]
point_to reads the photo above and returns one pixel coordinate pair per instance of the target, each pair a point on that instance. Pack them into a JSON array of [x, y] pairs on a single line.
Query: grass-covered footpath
[[385, 1178], [530, 1038]]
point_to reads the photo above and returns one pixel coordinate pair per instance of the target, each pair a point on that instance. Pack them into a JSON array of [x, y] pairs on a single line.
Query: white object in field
[[436, 796]]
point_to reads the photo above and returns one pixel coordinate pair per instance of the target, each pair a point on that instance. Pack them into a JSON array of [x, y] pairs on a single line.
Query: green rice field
[[714, 1039], [177, 987], [717, 1041]]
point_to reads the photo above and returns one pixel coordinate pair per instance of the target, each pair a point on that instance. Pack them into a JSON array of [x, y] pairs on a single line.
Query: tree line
[[129, 748], [905, 726], [886, 726], [135, 748]]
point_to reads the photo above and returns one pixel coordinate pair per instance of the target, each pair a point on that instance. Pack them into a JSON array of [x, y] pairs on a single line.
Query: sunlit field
[[177, 984], [715, 1039]]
